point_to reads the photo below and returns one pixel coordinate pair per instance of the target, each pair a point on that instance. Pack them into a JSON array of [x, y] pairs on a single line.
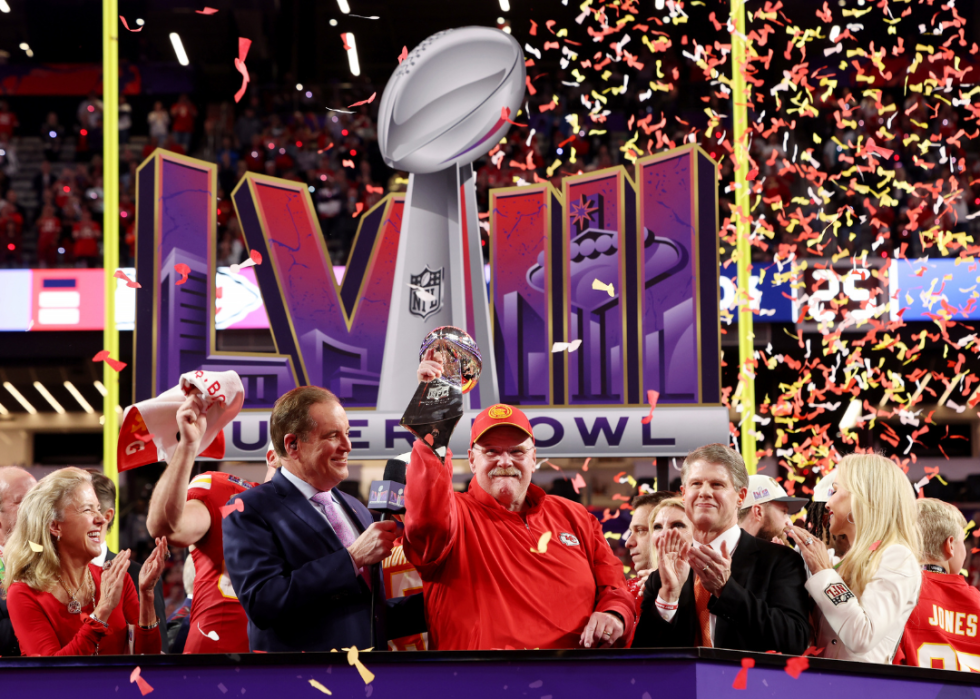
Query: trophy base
[[434, 411]]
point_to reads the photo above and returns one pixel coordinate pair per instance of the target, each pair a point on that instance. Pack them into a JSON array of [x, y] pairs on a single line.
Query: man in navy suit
[[304, 557]]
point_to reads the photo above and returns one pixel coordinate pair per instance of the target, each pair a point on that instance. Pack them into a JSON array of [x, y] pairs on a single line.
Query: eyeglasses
[[492, 454]]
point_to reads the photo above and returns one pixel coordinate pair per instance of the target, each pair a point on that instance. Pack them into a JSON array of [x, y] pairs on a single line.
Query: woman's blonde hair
[[44, 504], [884, 513]]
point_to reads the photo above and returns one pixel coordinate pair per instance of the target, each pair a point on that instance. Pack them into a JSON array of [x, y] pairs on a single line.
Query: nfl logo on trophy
[[426, 298]]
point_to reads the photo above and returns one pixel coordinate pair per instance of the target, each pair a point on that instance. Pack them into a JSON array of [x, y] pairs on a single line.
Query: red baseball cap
[[497, 415]]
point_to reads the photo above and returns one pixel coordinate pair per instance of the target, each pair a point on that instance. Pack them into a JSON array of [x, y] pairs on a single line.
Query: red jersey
[[401, 580], [183, 115], [216, 610], [942, 630], [486, 584]]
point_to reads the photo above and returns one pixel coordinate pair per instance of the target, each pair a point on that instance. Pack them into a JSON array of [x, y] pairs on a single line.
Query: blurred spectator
[[10, 242], [52, 135], [184, 113], [159, 122], [48, 237], [8, 122], [43, 180], [87, 234], [125, 119], [90, 111]]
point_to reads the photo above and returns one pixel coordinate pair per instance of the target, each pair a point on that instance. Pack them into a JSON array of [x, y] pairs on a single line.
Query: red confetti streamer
[[129, 282], [743, 675], [505, 115], [343, 37], [652, 397], [347, 163], [358, 208], [145, 438], [875, 545], [813, 651], [184, 271], [534, 28], [125, 24], [585, 466], [237, 506], [795, 666], [144, 686], [578, 482], [428, 439], [256, 257], [403, 55], [243, 46], [103, 356], [374, 190], [369, 100], [207, 11]]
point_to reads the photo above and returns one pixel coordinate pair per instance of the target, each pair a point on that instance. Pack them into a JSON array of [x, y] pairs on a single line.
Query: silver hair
[[721, 455]]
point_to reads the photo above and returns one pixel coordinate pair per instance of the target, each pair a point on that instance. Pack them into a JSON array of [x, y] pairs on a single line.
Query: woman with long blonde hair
[[863, 605], [61, 604]]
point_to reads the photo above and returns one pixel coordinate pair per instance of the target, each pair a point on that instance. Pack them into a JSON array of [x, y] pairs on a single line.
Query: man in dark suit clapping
[[304, 557], [728, 589]]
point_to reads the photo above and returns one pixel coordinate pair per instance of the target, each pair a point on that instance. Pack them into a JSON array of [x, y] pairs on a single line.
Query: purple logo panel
[[335, 333], [668, 254], [175, 312], [596, 216], [521, 231]]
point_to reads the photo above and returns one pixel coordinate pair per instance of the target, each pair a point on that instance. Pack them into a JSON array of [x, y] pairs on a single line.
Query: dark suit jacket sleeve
[[777, 621], [653, 631], [269, 589], [405, 617], [8, 640], [159, 604]]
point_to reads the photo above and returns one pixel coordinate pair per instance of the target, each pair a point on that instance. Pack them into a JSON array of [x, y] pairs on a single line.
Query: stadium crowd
[[336, 153]]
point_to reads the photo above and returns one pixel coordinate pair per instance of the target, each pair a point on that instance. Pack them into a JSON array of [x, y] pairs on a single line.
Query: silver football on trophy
[[460, 356]]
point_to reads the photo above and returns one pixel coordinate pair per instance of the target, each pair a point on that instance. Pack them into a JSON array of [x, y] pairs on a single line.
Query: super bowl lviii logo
[[598, 294]]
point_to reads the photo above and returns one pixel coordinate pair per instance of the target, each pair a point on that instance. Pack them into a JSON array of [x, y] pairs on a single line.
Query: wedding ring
[[705, 569], [607, 633], [808, 542]]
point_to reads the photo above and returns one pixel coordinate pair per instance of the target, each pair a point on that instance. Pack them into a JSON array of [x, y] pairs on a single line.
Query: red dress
[[45, 627]]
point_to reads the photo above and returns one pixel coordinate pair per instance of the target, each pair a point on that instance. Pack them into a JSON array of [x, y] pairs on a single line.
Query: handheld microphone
[[387, 496]]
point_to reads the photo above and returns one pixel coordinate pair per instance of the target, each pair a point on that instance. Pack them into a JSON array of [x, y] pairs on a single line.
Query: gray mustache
[[505, 472]]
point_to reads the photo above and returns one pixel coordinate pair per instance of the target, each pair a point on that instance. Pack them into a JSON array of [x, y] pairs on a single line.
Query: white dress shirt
[[100, 559], [867, 629], [730, 538], [308, 491]]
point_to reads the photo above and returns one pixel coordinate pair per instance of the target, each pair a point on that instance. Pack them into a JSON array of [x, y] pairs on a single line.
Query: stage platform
[[684, 673]]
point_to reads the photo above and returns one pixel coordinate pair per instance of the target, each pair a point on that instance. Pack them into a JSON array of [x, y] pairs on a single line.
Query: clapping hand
[[153, 568], [672, 554], [813, 550], [712, 567]]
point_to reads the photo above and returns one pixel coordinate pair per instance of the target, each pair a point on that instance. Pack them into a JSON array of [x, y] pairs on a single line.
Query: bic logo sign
[[624, 261]]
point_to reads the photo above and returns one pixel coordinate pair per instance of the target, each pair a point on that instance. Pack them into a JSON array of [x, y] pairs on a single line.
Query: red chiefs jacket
[[484, 588]]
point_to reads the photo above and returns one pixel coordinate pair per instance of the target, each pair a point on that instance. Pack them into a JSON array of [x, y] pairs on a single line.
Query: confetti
[[352, 658], [403, 55], [429, 440], [226, 510], [566, 346], [601, 286], [426, 296], [585, 466], [145, 438], [184, 271], [213, 635], [742, 677], [254, 258], [795, 666], [347, 163], [369, 100], [652, 397], [505, 115], [243, 46], [207, 11], [365, 16], [875, 545], [543, 540], [36, 548], [103, 356], [358, 208], [317, 685], [143, 685], [129, 282], [125, 24], [578, 482], [343, 38]]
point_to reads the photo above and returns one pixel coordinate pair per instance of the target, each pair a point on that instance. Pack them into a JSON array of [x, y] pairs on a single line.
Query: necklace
[[933, 568], [74, 606]]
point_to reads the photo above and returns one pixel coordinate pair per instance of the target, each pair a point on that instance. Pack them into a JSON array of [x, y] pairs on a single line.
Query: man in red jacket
[[492, 578]]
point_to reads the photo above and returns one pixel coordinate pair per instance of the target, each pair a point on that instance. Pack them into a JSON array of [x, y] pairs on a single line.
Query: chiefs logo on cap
[[500, 412]]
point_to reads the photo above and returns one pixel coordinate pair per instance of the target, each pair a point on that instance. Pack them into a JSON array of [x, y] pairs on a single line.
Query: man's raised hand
[[192, 420], [430, 367]]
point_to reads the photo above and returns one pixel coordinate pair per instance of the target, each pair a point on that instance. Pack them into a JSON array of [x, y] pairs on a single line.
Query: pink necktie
[[340, 526]]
